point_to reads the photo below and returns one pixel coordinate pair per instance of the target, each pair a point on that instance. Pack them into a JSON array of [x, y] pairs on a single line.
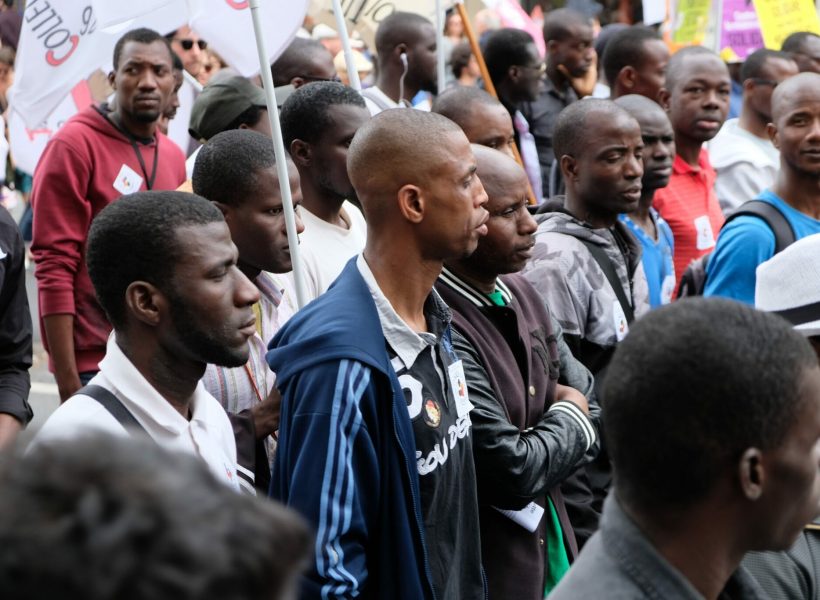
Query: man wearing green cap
[[227, 102]]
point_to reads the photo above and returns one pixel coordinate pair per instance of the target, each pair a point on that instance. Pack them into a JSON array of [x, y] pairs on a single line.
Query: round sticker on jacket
[[431, 413]]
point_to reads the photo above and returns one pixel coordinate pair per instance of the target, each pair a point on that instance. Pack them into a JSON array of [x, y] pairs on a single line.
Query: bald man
[[531, 427], [651, 230], [483, 118], [375, 446], [406, 61], [747, 241]]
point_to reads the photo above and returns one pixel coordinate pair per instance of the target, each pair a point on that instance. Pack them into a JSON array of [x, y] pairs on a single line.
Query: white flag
[[60, 44], [227, 27]]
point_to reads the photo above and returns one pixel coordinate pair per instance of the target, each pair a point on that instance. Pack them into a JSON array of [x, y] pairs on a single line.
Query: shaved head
[[395, 148], [571, 135], [794, 89], [637, 105], [497, 171]]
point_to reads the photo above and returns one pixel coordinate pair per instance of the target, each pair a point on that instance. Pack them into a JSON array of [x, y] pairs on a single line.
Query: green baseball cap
[[220, 103]]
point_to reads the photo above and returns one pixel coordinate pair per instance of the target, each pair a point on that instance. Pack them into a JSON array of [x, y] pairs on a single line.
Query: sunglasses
[[188, 44]]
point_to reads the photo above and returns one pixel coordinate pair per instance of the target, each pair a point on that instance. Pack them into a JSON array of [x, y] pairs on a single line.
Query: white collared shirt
[[208, 434]]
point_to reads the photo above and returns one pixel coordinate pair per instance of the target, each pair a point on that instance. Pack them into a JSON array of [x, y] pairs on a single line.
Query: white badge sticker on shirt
[[528, 517], [127, 181], [458, 384], [667, 288], [706, 237], [619, 321]]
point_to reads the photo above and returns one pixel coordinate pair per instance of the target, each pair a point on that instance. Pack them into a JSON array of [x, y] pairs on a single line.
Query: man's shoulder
[[596, 574], [75, 416]]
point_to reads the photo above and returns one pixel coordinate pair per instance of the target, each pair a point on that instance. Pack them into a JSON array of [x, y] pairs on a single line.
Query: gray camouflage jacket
[[570, 281]]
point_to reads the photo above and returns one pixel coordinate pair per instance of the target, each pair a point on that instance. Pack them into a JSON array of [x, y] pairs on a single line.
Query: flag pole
[[485, 75], [341, 25], [281, 156], [440, 58]]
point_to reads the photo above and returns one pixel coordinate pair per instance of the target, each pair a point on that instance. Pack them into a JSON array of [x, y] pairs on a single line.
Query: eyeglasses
[[188, 44], [540, 67], [759, 81]]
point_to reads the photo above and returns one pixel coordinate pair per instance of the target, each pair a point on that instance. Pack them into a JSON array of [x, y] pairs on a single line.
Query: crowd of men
[[497, 389]]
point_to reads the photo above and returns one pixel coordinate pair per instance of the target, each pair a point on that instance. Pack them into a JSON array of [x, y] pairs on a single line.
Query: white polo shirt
[[208, 434]]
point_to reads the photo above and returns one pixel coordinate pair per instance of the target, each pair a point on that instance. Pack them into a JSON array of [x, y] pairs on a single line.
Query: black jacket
[[15, 323]]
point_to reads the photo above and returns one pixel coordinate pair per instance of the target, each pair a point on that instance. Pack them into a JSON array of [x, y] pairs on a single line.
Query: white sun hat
[[788, 284]]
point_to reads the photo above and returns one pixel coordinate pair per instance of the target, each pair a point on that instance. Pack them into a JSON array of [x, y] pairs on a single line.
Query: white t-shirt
[[745, 165], [326, 248], [208, 435]]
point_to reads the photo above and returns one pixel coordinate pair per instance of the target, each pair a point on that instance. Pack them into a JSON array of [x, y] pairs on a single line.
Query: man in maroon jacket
[[99, 155]]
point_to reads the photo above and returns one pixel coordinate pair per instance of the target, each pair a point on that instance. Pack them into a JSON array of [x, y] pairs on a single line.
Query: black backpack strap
[[600, 256], [113, 405], [771, 215]]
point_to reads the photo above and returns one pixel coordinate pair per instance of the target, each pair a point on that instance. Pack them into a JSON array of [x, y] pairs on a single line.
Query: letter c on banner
[[56, 62], [238, 4]]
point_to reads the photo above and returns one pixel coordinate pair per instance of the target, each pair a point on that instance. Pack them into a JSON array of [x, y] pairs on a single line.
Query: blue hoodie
[[346, 453]]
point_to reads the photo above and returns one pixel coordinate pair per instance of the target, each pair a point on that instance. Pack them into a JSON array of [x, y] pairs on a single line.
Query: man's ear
[[627, 77], [225, 209], [112, 80], [145, 302], [771, 130], [569, 167], [664, 98], [300, 152], [411, 203], [751, 474]]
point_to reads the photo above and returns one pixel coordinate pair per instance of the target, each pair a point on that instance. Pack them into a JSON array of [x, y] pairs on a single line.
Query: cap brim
[[808, 329]]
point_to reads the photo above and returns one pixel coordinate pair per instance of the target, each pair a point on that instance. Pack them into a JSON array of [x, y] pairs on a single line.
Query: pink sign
[[740, 30]]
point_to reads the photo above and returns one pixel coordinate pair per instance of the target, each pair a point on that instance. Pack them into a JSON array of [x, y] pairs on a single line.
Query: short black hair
[[460, 58], [795, 41], [558, 23], [753, 65], [626, 49], [692, 386], [227, 167], [459, 100], [304, 114], [143, 35], [568, 137], [291, 63], [504, 48], [100, 517], [676, 63], [398, 28], [134, 239]]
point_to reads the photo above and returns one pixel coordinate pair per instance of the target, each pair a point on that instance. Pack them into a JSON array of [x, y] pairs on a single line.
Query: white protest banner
[[228, 29], [115, 12], [29, 143], [60, 44]]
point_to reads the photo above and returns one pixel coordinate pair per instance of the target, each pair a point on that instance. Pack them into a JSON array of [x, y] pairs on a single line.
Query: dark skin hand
[[583, 85], [266, 414]]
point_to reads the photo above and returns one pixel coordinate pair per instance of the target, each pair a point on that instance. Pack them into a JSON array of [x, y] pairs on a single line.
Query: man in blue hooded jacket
[[374, 444]]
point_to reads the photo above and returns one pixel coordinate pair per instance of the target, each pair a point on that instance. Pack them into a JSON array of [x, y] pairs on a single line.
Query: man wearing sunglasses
[[189, 48], [744, 157]]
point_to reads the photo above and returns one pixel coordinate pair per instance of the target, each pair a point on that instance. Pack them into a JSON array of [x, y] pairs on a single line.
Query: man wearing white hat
[[789, 285]]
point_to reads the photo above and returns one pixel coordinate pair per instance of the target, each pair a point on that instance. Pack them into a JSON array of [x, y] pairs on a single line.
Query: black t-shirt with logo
[[444, 460]]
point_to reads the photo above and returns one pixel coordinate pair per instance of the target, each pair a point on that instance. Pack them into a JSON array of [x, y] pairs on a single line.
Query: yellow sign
[[780, 18], [691, 20]]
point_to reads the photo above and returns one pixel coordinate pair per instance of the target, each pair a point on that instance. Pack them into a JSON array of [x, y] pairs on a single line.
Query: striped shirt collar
[[470, 292]]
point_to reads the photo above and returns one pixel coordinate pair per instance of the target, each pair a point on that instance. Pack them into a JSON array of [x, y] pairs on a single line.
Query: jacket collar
[[470, 292]]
